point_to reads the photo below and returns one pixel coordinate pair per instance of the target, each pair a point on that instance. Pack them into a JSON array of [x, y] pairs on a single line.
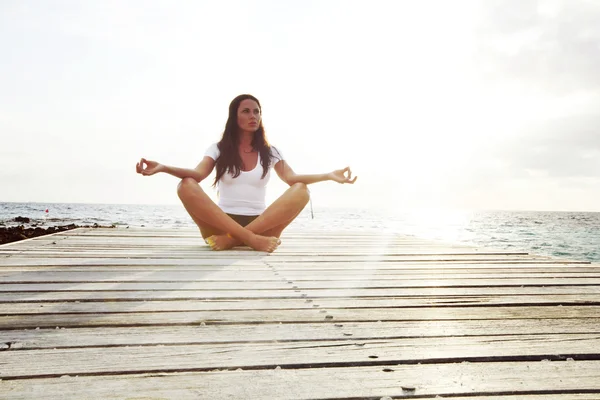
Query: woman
[[243, 159]]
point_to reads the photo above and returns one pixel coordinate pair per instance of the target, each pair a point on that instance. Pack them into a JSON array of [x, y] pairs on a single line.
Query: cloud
[[552, 49], [547, 46], [568, 147]]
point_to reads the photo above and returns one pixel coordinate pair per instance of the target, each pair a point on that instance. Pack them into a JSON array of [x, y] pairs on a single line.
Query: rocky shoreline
[[20, 232]]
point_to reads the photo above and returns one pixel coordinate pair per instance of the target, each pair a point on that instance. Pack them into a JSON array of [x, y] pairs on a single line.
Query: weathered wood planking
[[523, 380], [319, 353], [146, 313], [9, 308], [32, 321], [294, 332], [447, 293], [25, 260], [286, 258], [284, 284], [125, 275]]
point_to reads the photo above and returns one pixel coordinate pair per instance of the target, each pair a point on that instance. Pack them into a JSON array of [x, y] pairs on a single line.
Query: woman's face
[[248, 116]]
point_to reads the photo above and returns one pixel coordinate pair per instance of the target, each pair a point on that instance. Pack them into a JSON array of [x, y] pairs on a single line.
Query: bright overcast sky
[[465, 104]]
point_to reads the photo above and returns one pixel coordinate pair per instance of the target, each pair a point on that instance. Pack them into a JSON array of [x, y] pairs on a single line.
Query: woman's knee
[[185, 185], [302, 190]]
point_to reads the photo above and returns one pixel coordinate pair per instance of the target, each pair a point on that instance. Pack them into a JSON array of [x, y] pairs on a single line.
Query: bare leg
[[275, 218], [207, 214]]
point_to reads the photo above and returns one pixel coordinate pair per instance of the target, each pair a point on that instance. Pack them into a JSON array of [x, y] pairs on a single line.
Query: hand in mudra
[[342, 175], [148, 167]]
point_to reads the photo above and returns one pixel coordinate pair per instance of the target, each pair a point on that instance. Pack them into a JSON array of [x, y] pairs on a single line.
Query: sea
[[567, 235]]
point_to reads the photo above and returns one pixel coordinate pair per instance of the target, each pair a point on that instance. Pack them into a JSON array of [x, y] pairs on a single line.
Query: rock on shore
[[15, 233]]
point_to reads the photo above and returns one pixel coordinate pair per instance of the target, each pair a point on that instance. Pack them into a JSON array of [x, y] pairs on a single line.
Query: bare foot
[[264, 243], [220, 242]]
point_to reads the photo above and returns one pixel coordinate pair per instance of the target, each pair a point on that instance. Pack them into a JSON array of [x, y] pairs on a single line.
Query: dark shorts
[[243, 220]]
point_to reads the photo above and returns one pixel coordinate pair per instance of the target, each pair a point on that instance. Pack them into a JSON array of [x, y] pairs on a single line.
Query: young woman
[[243, 160]]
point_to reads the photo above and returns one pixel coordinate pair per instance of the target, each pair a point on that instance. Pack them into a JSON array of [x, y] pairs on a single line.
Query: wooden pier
[[155, 314]]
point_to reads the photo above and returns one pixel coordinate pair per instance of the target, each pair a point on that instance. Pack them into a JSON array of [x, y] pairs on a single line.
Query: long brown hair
[[229, 160]]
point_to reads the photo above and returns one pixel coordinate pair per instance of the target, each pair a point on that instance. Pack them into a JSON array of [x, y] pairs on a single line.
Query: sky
[[485, 105]]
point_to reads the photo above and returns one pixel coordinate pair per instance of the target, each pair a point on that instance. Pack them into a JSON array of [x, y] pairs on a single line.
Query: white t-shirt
[[244, 195]]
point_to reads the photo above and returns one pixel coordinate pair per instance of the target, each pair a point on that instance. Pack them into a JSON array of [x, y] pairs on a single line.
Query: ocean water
[[569, 235]]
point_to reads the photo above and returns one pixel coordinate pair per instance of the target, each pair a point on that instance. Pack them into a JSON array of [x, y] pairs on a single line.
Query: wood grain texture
[[293, 332], [150, 313], [520, 380], [321, 353]]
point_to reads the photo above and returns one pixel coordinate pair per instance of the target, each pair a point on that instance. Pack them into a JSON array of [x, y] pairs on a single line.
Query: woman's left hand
[[342, 175]]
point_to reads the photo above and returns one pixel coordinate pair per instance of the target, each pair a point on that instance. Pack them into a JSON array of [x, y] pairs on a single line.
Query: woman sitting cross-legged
[[243, 160]]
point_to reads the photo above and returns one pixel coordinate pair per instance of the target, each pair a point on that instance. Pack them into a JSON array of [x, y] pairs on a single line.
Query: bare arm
[[148, 168], [287, 174]]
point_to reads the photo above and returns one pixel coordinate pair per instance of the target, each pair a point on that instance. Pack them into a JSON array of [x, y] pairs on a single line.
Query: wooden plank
[[287, 258], [505, 381], [344, 249], [33, 321], [129, 286], [329, 248], [190, 248], [287, 251], [64, 276], [354, 264], [292, 304], [301, 234], [115, 295], [528, 396], [317, 242], [290, 243], [248, 333], [126, 262], [173, 358], [136, 276], [381, 271], [285, 284]]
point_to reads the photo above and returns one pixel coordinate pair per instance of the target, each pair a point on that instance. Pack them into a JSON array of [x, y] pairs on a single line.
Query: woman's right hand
[[148, 167]]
